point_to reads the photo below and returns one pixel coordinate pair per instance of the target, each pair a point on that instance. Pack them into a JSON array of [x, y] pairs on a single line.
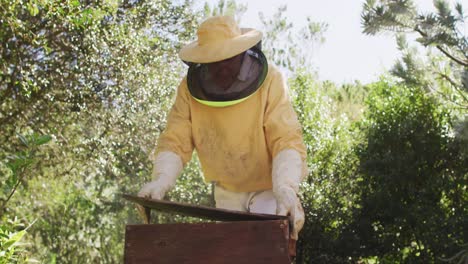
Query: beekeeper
[[234, 109]]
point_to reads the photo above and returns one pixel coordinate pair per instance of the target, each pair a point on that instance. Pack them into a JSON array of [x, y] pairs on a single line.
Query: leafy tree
[[98, 77], [229, 8], [348, 99], [288, 48], [10, 249], [425, 142], [17, 166], [412, 188], [11, 230], [442, 30], [329, 193]]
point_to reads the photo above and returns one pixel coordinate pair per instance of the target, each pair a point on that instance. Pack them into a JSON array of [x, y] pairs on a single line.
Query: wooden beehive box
[[239, 238]]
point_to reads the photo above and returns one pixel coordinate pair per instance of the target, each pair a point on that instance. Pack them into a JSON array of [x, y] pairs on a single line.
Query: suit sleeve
[[177, 137], [282, 128]]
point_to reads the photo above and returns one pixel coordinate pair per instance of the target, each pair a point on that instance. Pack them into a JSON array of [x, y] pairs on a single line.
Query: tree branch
[[441, 49], [2, 208], [463, 63], [454, 84]]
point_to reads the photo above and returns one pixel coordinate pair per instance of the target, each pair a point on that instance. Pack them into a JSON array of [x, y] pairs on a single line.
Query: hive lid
[[145, 205]]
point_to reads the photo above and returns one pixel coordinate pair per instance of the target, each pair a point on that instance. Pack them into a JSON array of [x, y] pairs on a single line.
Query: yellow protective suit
[[235, 144]]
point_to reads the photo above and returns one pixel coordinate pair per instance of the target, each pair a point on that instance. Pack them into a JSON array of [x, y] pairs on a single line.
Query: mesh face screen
[[204, 89]]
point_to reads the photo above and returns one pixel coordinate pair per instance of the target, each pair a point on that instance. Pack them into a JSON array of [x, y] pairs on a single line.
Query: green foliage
[[76, 225], [329, 192], [348, 99], [414, 163], [445, 70], [387, 189], [98, 77], [460, 257], [12, 231], [413, 194], [289, 48], [17, 164], [226, 8], [10, 249]]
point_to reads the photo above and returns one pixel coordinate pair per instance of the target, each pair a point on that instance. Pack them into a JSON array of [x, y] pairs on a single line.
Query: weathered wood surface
[[199, 211], [229, 242]]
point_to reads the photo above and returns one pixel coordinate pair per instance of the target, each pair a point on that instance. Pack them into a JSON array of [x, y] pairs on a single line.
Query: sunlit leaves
[[442, 30], [226, 8], [410, 159], [287, 47], [11, 251], [328, 194], [387, 15], [98, 77]]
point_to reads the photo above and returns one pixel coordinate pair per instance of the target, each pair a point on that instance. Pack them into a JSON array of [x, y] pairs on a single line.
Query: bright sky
[[347, 54]]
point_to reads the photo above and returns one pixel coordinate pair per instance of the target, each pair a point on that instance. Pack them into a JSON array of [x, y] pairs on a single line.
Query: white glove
[[287, 173], [166, 168]]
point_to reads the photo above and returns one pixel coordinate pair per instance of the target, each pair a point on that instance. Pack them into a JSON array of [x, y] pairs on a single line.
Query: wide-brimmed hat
[[219, 38]]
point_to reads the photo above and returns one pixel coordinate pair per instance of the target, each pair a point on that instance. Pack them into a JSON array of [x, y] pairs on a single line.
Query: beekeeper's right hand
[[166, 168]]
